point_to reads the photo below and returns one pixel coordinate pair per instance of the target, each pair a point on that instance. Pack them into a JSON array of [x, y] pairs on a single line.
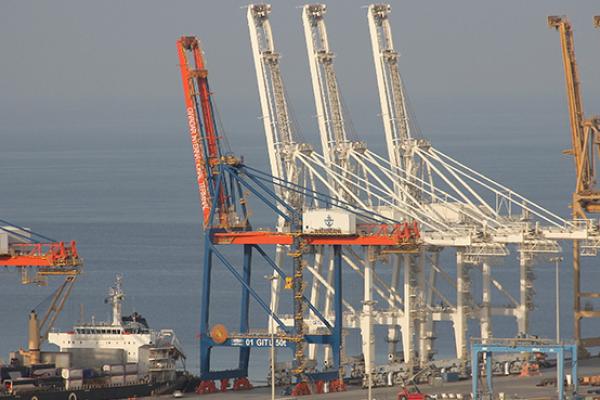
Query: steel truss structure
[[409, 207], [39, 257], [586, 196], [225, 183], [456, 207], [523, 346]]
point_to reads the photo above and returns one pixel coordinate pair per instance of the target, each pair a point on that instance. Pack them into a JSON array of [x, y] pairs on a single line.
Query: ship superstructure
[[124, 339]]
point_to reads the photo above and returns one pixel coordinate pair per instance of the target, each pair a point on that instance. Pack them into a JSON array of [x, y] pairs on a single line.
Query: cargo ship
[[121, 358]]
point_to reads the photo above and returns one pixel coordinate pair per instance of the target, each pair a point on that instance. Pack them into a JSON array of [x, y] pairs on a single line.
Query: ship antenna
[[116, 296]]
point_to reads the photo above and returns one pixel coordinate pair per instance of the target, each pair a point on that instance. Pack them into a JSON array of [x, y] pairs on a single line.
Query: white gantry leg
[[409, 305], [525, 286], [329, 304], [460, 316], [429, 302], [276, 287], [394, 330], [424, 313], [486, 303], [366, 319]]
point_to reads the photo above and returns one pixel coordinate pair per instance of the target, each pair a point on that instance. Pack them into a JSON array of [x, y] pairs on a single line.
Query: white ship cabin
[[127, 333]]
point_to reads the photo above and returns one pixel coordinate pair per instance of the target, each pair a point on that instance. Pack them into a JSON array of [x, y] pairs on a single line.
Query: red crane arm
[[205, 142], [41, 255], [193, 126]]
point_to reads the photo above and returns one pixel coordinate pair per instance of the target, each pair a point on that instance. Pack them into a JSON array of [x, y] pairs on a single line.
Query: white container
[[114, 369], [328, 221], [131, 378], [72, 373]]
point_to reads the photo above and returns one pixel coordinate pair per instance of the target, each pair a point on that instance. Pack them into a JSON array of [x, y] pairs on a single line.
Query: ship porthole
[[72, 396]]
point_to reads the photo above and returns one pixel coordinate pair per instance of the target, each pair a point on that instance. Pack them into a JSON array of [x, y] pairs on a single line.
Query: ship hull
[[91, 393]]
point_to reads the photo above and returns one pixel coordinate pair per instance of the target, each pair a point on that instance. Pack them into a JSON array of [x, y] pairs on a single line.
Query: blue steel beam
[[489, 349], [204, 310], [263, 198], [284, 275], [244, 319], [251, 291], [273, 194]]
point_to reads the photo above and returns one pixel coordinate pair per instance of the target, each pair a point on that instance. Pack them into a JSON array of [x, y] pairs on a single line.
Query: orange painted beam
[[26, 261], [41, 255], [273, 238]]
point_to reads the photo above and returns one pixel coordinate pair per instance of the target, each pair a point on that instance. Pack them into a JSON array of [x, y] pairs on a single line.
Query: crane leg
[[394, 331], [460, 317], [409, 297]]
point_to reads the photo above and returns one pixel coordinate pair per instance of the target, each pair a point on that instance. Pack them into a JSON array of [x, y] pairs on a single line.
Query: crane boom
[[576, 118], [324, 82], [389, 82], [202, 126], [275, 115], [586, 198], [30, 251], [50, 255], [584, 131], [394, 111]]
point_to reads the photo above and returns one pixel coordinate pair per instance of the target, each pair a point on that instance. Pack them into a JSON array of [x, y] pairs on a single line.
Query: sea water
[[134, 211]]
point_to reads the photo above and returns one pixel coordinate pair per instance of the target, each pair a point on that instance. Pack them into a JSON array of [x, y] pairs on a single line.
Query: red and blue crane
[[224, 184]]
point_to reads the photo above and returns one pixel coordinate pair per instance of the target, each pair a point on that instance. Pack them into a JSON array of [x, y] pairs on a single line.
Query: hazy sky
[[94, 73]]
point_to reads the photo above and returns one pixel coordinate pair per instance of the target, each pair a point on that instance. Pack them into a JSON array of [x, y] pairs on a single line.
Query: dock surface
[[512, 386]]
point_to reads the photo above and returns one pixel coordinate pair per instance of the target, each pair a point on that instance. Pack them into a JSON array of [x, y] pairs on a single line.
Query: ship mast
[[115, 297]]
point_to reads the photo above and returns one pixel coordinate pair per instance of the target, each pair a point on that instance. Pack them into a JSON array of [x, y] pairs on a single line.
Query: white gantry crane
[[336, 147], [496, 226], [456, 207], [276, 121]]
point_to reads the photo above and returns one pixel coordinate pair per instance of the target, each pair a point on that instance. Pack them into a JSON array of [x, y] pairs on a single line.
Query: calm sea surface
[[134, 211]]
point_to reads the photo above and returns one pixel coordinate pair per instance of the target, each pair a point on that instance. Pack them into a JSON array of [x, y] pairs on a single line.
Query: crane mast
[[202, 127], [584, 138], [579, 139], [324, 83], [275, 115], [279, 134], [389, 83], [394, 113], [337, 150], [400, 144], [281, 143]]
